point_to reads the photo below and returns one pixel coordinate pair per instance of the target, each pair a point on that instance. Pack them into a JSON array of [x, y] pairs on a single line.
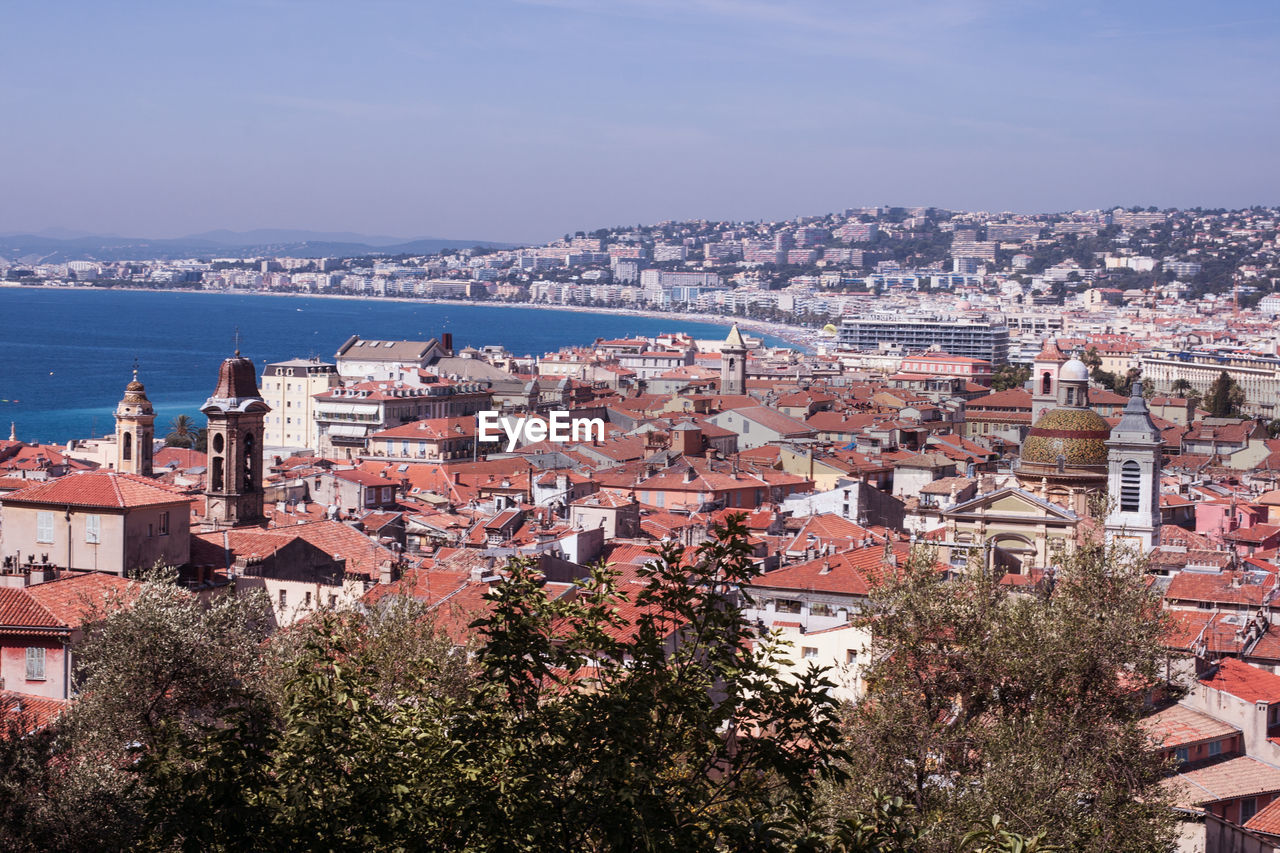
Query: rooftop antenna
[[135, 368], [237, 339]]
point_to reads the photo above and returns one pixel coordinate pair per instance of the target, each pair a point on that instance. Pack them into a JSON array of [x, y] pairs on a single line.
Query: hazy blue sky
[[523, 120]]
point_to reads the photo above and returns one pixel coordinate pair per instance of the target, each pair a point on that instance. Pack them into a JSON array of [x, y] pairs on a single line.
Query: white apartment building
[[289, 388]]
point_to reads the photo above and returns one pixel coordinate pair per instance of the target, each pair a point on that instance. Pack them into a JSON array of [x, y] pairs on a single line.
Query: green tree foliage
[[644, 715], [182, 432], [985, 703], [1008, 376], [1225, 397]]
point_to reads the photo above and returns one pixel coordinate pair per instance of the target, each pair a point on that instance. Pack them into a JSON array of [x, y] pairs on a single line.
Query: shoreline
[[798, 336]]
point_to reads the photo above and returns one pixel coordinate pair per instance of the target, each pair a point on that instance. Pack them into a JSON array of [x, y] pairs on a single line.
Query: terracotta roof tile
[[1179, 725], [99, 489], [1225, 780], [1239, 679]]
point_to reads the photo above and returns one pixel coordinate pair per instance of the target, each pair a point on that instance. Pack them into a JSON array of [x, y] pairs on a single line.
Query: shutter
[[35, 664]]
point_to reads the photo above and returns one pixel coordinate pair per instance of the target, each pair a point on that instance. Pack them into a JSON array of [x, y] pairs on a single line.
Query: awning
[[344, 409], [347, 429]]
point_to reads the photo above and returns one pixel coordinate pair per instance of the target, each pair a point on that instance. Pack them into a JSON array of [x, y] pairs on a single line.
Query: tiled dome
[[1077, 435]]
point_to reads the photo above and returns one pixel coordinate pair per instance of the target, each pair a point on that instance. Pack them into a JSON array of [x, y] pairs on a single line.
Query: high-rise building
[[984, 339]]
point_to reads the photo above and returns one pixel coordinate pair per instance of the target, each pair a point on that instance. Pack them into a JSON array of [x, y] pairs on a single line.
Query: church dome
[[135, 398], [236, 379], [1079, 436], [1074, 370]]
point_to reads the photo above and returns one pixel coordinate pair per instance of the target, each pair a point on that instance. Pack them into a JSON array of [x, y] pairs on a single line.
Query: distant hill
[[43, 248], [264, 236]]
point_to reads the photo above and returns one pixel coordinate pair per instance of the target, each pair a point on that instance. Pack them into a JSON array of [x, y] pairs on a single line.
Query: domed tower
[[233, 490], [1064, 456], [733, 363], [1134, 457], [1044, 375], [135, 430]]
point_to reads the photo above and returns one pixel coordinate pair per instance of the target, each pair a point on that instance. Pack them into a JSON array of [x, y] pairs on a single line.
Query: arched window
[[1130, 486], [1046, 383], [250, 452], [127, 453], [216, 479]]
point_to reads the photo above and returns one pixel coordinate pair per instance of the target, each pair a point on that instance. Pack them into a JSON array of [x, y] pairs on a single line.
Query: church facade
[[1074, 471]]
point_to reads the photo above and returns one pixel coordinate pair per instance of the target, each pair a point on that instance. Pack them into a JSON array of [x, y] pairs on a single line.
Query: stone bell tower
[[1044, 376], [233, 490], [1134, 456], [135, 430], [733, 363]]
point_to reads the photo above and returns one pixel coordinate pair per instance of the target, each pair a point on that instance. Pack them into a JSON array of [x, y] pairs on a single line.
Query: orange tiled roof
[[1179, 725], [1225, 780], [1243, 681], [99, 489]]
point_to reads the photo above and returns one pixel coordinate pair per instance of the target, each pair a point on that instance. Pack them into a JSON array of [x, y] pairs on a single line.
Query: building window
[[333, 600], [284, 599], [44, 527], [164, 524], [1215, 748], [850, 656], [93, 529], [35, 663], [1248, 808], [306, 600], [1130, 486], [786, 605], [1182, 755], [808, 652]]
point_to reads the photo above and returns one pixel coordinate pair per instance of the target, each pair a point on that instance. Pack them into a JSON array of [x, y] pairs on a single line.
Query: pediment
[[1010, 503]]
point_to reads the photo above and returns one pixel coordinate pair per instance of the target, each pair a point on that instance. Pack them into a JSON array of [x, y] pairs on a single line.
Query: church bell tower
[[236, 411], [1133, 476], [1044, 376], [135, 430], [733, 363]]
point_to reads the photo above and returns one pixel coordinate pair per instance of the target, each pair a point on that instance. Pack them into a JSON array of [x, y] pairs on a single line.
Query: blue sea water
[[66, 355]]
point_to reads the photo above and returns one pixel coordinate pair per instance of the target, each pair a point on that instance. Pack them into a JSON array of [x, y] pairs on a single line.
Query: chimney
[[446, 342], [388, 573]]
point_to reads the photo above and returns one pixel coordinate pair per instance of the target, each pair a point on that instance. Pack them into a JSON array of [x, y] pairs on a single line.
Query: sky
[[522, 120]]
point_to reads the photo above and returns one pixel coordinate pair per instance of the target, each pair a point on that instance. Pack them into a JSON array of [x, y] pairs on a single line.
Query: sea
[[66, 354]]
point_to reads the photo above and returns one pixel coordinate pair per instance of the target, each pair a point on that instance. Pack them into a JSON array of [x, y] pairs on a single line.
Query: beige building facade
[[289, 388]]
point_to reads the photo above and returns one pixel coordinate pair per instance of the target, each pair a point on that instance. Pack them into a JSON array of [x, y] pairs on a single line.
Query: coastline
[[798, 336]]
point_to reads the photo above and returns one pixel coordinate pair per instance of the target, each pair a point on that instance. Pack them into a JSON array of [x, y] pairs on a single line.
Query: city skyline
[[521, 121]]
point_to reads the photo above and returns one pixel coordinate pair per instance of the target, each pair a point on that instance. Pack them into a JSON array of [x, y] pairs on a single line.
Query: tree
[[640, 716], [983, 703], [1225, 397], [182, 432], [1092, 359], [1008, 376], [156, 666], [1180, 387]]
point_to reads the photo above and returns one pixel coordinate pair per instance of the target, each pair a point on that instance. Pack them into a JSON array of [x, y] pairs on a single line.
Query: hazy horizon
[[520, 121]]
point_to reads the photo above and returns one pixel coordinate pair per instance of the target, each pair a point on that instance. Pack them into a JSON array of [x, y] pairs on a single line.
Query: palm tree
[[182, 432]]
